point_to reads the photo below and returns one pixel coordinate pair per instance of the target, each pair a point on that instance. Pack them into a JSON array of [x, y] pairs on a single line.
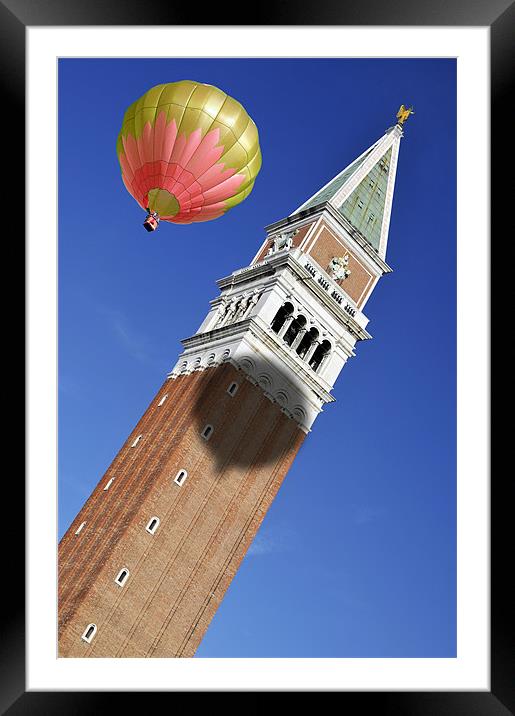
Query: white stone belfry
[[247, 338], [286, 320]]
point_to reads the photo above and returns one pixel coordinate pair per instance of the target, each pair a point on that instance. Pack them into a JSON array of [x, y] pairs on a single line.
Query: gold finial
[[404, 113]]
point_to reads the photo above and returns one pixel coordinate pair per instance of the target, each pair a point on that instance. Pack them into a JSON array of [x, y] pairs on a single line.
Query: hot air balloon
[[188, 152]]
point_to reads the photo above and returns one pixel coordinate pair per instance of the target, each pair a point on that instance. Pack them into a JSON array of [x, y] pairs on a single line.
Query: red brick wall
[[323, 244], [179, 575], [326, 245]]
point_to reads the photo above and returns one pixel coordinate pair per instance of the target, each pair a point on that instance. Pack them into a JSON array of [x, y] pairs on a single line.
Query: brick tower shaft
[[179, 574]]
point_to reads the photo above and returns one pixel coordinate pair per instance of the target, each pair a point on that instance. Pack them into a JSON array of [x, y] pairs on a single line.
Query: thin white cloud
[[366, 514], [135, 343], [278, 539]]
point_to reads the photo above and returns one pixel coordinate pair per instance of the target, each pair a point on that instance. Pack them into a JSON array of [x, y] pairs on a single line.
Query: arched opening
[[232, 389], [282, 398], [89, 633], [280, 317], [318, 356], [122, 576], [180, 477], [207, 432], [295, 326], [153, 525], [265, 381], [307, 342]]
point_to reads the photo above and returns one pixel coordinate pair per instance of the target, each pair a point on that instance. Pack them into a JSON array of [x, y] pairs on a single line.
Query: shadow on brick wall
[[248, 420]]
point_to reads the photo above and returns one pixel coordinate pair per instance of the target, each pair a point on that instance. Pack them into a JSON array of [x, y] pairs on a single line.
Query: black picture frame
[[499, 16]]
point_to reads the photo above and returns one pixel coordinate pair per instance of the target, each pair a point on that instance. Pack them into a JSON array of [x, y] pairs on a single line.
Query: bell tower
[[146, 562]]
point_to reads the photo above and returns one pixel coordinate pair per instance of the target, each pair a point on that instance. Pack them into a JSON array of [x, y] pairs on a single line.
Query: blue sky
[[357, 555]]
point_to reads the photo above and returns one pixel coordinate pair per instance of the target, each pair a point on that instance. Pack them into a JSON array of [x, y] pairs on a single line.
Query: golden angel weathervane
[[404, 113]]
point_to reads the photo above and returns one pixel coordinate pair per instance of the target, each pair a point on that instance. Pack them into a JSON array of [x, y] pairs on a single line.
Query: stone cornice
[[263, 268], [268, 338], [233, 329]]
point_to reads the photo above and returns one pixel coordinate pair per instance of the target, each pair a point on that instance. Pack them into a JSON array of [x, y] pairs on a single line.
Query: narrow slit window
[[180, 477], [79, 528], [163, 399], [153, 525], [136, 441], [232, 388], [207, 432], [89, 633], [108, 484], [122, 577]]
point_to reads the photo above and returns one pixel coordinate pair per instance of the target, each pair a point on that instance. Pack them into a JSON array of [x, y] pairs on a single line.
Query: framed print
[[299, 553], [79, 71]]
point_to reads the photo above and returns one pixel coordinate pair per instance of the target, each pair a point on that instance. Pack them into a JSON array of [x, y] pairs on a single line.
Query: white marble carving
[[338, 268], [282, 241]]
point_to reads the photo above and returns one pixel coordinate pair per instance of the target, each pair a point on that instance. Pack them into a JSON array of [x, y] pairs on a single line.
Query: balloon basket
[[150, 223]]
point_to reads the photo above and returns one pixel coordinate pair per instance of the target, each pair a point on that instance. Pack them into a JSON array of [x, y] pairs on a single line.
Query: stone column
[[311, 350], [285, 325], [298, 338], [323, 363]]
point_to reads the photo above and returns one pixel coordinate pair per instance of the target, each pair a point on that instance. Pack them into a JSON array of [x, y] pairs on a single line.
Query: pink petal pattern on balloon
[[188, 167]]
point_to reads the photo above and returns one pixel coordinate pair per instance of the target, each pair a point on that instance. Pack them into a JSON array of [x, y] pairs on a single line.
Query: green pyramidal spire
[[363, 192], [364, 208]]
